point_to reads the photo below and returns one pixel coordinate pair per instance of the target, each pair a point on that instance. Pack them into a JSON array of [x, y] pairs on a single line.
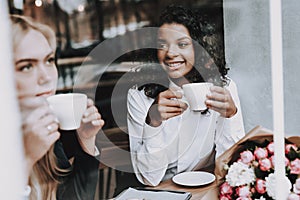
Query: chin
[[175, 75]]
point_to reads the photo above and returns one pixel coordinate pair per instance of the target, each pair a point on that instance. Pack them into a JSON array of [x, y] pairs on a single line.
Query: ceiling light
[[38, 3]]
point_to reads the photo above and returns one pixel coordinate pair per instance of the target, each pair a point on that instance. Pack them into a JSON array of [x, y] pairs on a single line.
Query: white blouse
[[180, 143]]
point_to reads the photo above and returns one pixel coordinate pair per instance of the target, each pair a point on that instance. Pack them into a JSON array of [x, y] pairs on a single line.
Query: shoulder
[[137, 97]]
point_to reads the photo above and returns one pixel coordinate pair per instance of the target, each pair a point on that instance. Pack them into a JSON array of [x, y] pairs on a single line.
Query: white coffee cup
[[68, 108], [195, 94]]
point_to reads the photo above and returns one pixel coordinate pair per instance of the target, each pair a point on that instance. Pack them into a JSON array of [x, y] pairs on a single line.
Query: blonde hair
[[22, 24], [44, 178]]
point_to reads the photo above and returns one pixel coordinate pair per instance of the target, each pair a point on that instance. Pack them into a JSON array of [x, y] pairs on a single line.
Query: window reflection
[[83, 23]]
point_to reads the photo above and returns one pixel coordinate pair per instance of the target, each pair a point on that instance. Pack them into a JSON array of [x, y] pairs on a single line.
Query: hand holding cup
[[40, 129], [196, 94], [220, 100], [76, 111], [165, 106], [91, 123]]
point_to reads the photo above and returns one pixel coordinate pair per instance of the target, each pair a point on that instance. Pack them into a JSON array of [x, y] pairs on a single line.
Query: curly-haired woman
[[166, 138]]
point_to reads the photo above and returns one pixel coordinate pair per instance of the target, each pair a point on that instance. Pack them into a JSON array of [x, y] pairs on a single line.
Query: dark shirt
[[80, 183]]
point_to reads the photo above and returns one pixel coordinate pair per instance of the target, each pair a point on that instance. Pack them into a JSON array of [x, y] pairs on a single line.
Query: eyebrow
[[182, 38], [31, 59], [161, 40]]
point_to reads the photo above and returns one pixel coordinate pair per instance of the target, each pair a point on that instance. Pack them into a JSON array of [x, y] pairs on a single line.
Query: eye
[[26, 67], [50, 61], [162, 46], [183, 44]]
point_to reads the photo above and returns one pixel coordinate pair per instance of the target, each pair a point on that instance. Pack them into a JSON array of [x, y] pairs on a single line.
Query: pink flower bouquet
[[246, 171]]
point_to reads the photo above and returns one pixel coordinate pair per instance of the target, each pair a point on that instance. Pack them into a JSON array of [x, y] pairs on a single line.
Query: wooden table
[[207, 192], [118, 155]]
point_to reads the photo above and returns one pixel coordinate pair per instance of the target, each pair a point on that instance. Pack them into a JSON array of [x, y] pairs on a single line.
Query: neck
[[179, 81]]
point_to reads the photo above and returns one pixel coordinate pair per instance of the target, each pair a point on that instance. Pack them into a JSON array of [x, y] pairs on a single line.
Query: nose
[[43, 75], [172, 51]]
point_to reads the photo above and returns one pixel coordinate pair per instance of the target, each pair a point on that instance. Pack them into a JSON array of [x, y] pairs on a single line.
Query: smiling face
[[175, 50], [35, 71]]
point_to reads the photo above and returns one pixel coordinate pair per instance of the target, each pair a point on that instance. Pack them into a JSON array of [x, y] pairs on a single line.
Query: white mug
[[69, 109], [195, 94]]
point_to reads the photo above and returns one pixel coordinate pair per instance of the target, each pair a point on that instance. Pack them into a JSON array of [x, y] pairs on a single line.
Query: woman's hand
[[220, 100], [91, 123], [39, 127], [165, 107]]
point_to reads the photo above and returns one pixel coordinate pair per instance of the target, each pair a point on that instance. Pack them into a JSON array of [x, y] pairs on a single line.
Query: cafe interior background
[[82, 25]]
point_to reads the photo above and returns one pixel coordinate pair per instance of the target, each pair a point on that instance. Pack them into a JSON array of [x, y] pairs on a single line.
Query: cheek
[[160, 55], [191, 56], [190, 59], [53, 73], [25, 85]]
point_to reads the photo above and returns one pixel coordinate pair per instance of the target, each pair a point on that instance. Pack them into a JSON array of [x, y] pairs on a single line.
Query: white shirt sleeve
[[230, 130], [97, 152], [26, 192], [149, 160]]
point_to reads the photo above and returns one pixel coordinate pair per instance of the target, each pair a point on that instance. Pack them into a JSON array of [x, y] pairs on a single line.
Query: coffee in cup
[[195, 94], [69, 109]]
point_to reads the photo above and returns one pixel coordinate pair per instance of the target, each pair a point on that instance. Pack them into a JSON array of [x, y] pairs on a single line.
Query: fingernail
[[96, 122]]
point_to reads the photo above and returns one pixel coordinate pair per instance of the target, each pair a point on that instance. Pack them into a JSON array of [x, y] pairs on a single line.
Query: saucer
[[194, 178]]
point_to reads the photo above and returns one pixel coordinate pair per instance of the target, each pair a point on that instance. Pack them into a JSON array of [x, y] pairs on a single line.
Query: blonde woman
[[47, 149]]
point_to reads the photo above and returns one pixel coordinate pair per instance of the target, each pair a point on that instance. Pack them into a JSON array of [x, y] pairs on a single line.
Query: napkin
[[144, 194]]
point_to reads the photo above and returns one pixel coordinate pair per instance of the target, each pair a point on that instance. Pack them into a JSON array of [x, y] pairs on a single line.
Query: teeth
[[174, 64]]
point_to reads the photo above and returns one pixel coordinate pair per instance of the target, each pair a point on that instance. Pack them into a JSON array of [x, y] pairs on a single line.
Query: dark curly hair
[[184, 16], [207, 47]]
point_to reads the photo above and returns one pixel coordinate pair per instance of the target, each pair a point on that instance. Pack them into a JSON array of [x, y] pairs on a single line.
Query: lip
[[45, 94], [174, 65]]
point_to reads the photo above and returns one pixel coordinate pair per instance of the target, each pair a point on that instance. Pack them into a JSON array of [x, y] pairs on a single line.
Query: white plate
[[196, 178]]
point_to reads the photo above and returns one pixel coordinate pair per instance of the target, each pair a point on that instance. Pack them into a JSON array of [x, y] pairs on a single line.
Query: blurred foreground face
[[175, 50], [35, 70]]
